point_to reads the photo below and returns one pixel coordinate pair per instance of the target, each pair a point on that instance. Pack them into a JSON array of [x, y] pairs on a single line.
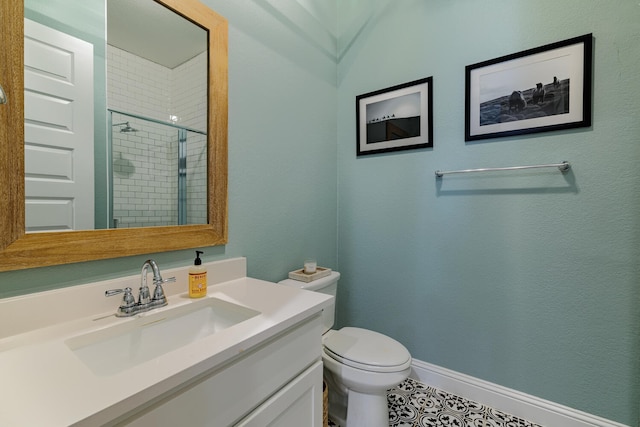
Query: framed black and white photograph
[[395, 118], [538, 90]]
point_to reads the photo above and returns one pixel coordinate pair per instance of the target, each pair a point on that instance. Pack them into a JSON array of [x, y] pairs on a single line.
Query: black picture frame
[[396, 118], [543, 89]]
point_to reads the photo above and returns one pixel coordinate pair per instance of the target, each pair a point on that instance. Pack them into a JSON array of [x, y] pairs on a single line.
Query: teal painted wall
[[529, 280], [282, 154]]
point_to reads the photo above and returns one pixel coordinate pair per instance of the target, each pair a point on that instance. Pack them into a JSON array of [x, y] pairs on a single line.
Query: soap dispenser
[[197, 278]]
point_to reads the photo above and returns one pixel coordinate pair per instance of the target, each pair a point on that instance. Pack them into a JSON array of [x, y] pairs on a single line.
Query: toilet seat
[[366, 350]]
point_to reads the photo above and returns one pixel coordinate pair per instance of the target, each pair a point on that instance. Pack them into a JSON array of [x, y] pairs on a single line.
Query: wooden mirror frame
[[19, 250]]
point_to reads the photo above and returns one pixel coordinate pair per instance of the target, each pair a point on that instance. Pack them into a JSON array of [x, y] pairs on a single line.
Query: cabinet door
[[298, 403]]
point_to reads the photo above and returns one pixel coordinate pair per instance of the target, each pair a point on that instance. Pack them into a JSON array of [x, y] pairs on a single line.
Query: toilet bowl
[[360, 365]]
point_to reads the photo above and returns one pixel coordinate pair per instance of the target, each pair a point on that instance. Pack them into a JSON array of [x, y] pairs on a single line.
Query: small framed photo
[[395, 118], [538, 90]]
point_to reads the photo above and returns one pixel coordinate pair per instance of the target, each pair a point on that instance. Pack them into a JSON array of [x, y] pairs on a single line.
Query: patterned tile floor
[[413, 404]]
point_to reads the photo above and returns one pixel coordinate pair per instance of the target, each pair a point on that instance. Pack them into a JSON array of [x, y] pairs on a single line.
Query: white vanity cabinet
[[247, 354], [279, 383]]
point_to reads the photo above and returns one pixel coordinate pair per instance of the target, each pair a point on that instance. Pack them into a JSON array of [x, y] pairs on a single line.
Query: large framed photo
[[395, 118], [538, 90]]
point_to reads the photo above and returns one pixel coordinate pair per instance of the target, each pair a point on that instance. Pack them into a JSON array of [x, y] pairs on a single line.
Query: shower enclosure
[[158, 172]]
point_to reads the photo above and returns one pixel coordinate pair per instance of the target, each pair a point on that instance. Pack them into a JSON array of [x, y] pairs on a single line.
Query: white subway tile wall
[[145, 162]]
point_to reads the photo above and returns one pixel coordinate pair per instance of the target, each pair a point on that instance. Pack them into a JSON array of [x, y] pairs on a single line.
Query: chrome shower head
[[126, 128]]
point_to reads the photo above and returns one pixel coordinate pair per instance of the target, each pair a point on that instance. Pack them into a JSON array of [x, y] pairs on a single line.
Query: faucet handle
[[158, 293], [128, 301], [160, 281]]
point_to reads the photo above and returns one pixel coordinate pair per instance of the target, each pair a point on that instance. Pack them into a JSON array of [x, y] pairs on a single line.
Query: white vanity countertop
[[43, 383]]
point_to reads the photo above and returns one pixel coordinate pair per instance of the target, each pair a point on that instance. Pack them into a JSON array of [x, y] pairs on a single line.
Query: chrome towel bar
[[563, 167]]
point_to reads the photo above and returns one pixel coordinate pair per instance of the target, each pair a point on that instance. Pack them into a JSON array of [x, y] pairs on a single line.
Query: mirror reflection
[[125, 149]]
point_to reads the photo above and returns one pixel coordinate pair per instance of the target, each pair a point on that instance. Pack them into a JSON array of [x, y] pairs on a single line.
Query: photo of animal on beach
[[396, 118], [538, 90], [544, 99]]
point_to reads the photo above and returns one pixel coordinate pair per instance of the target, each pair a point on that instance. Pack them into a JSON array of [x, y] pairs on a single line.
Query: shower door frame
[[182, 163]]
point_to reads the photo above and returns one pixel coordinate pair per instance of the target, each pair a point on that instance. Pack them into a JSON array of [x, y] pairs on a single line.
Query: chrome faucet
[[146, 302]]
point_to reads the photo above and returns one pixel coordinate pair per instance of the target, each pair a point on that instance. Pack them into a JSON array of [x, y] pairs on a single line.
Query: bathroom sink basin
[[122, 346]]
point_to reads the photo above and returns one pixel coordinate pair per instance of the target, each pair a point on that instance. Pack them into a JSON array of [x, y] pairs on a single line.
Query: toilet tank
[[326, 285]]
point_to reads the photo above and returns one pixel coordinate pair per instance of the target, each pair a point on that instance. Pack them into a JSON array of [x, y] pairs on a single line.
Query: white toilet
[[359, 365]]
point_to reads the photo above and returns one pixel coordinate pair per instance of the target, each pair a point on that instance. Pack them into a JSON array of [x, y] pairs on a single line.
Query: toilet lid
[[367, 350]]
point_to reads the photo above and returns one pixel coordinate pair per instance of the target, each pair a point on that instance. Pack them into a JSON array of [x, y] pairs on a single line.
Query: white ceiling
[[151, 31]]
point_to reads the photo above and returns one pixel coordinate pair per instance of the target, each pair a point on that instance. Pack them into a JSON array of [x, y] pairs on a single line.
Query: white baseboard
[[531, 408]]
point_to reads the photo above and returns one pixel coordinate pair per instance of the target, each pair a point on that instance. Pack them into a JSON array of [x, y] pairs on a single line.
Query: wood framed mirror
[[21, 250]]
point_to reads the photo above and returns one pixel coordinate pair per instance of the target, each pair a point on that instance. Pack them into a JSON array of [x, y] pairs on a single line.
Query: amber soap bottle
[[197, 278]]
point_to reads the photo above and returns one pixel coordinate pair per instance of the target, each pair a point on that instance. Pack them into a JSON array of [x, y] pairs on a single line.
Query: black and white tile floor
[[413, 404]]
